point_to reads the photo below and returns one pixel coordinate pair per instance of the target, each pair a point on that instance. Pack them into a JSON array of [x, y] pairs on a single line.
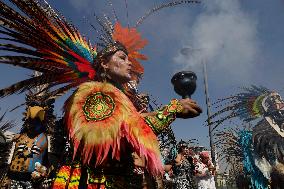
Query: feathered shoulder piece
[[99, 116], [246, 105]]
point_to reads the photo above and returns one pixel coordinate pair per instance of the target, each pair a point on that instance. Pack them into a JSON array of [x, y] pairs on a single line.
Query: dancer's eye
[[122, 57]]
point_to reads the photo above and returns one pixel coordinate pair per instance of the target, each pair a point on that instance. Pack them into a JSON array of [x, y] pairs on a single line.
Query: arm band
[[164, 116]]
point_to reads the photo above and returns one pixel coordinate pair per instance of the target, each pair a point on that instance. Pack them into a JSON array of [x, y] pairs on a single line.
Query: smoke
[[82, 5], [225, 37]]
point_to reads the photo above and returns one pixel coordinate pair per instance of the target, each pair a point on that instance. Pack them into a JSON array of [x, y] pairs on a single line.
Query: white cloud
[[226, 37]]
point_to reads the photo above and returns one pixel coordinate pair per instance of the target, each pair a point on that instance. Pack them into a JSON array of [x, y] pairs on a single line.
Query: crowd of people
[[189, 168]]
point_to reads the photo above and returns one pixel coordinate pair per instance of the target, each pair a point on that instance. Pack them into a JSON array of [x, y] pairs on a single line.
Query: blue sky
[[241, 41]]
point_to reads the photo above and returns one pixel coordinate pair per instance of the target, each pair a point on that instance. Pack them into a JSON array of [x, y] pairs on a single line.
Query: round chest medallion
[[98, 106]]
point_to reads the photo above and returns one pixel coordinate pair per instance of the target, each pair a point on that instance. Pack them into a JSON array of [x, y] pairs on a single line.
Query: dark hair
[[106, 53], [182, 148]]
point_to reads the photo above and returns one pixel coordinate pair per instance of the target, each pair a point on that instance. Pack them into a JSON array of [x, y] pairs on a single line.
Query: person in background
[[182, 169], [205, 172]]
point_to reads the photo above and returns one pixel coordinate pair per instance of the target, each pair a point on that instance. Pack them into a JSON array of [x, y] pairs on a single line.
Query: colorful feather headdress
[[246, 105], [44, 41]]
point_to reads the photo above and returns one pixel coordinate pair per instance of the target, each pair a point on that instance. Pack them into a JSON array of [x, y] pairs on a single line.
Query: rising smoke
[[224, 36]]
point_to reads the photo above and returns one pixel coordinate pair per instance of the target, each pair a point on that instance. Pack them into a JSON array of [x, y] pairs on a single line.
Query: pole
[[209, 114]]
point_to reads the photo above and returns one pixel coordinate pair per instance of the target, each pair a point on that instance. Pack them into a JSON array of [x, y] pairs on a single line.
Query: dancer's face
[[119, 67], [190, 151], [184, 151]]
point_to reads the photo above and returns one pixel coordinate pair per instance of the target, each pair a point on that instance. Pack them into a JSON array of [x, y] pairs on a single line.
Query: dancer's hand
[[190, 109]]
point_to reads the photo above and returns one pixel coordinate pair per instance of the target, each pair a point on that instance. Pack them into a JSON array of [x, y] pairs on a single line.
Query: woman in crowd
[[205, 172], [183, 169]]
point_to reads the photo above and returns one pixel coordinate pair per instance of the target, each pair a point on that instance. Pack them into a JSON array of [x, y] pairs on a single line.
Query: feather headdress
[[246, 105], [48, 43]]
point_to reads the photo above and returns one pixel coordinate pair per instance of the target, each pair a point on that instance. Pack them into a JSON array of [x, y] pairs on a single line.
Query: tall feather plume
[[113, 11], [127, 13], [133, 42], [159, 7], [106, 29], [28, 84], [100, 37], [6, 125], [46, 42], [230, 150], [37, 64], [245, 105]]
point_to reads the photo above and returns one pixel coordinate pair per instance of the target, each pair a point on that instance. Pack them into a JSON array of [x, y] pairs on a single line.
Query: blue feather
[[258, 180]]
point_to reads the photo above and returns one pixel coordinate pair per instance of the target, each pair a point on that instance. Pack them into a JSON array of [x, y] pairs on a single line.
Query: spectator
[[205, 172]]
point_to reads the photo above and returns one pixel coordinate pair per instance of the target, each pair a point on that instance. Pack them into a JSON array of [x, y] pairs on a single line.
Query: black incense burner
[[184, 83]]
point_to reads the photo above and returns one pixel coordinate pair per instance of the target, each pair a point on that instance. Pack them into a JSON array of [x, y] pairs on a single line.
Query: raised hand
[[190, 109]]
